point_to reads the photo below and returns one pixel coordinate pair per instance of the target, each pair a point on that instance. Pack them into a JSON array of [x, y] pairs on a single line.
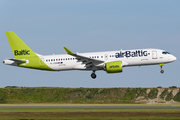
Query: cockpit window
[[165, 52]]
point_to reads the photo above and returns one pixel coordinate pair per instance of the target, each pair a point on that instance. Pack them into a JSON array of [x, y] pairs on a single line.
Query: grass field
[[89, 111]]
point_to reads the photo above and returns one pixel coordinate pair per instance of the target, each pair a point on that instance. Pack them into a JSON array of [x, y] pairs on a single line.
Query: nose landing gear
[[161, 65], [162, 71]]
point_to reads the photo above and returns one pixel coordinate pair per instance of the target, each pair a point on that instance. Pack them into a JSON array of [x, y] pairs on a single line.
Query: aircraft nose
[[173, 58]]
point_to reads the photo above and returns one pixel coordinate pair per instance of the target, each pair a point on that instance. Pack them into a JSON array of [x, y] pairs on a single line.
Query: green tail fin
[[22, 52], [19, 48]]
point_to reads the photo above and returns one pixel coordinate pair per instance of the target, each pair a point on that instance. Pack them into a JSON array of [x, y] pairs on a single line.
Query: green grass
[[89, 111]]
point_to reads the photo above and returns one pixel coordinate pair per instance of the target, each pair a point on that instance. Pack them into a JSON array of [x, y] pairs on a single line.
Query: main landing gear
[[162, 71], [93, 75], [161, 65]]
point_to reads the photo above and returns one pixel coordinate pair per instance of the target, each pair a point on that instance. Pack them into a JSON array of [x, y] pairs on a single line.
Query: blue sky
[[88, 26]]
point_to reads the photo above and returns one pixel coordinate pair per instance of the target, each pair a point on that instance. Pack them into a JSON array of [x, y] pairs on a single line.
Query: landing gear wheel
[[162, 71], [93, 75]]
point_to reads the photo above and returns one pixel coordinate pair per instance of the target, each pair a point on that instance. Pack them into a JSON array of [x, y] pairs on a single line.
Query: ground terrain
[[89, 95], [89, 103], [89, 111]]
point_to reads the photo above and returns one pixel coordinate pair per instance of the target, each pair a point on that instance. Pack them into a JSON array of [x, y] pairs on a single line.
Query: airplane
[[109, 61]]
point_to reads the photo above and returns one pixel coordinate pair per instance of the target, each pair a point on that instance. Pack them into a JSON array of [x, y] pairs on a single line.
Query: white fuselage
[[136, 57]]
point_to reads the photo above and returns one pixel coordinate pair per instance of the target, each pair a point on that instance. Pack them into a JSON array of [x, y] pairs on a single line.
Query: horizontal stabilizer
[[18, 61]]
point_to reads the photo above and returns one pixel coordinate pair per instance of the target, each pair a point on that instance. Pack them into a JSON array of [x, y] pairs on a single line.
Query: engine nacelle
[[113, 67]]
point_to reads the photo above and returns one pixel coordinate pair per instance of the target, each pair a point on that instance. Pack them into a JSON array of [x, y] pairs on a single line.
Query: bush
[[177, 97], [169, 96], [153, 93], [173, 87], [164, 93], [11, 87], [143, 93], [130, 94], [2, 96]]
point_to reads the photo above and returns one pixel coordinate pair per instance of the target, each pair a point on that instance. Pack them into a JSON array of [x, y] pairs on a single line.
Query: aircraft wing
[[86, 60]]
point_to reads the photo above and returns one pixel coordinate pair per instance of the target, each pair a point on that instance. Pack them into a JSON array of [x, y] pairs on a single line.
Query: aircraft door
[[41, 62], [154, 54]]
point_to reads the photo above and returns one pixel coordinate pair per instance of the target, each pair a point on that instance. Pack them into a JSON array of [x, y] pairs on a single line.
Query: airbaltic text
[[137, 53], [22, 52], [114, 66]]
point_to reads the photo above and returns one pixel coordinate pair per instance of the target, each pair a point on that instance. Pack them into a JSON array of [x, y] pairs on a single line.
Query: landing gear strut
[[161, 65]]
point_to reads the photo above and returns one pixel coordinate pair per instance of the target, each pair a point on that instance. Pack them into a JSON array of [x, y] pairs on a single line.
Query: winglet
[[68, 51]]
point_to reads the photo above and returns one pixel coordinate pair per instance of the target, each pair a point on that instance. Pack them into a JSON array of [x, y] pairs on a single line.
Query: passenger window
[[97, 56]]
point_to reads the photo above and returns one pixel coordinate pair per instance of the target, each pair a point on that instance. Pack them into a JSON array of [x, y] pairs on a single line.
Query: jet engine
[[113, 67]]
